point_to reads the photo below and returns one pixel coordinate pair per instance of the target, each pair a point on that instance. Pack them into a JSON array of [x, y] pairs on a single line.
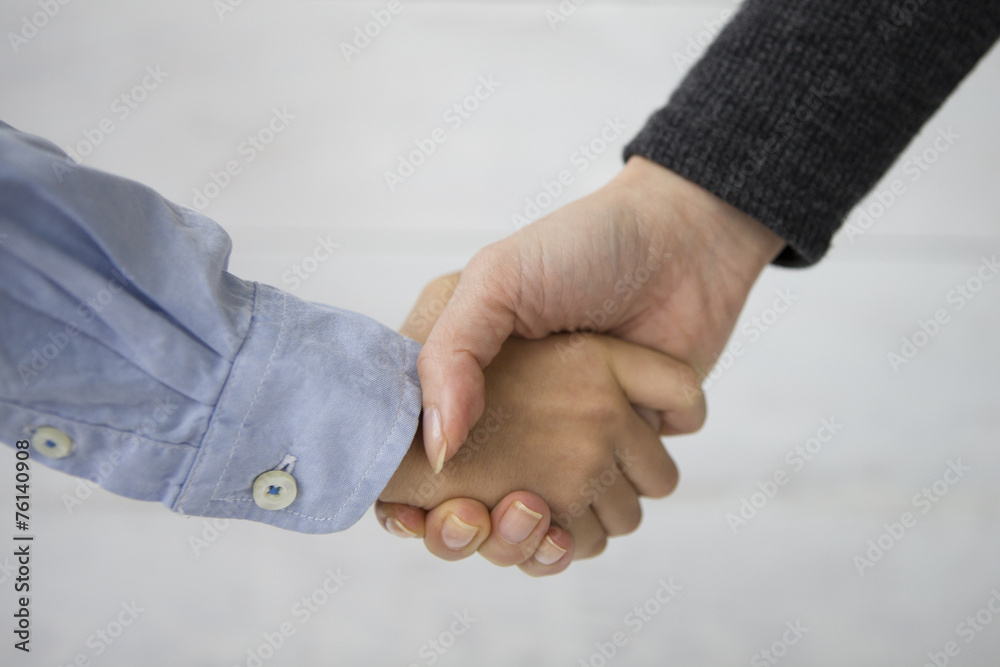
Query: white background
[[324, 176]]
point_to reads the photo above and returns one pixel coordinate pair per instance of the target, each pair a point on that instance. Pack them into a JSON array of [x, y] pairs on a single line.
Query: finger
[[617, 506], [588, 533], [650, 416], [400, 520], [644, 461], [520, 523], [662, 383], [456, 528], [466, 337], [553, 555]]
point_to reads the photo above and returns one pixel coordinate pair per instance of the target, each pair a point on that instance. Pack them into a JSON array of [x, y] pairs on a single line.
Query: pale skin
[[552, 275], [559, 423]]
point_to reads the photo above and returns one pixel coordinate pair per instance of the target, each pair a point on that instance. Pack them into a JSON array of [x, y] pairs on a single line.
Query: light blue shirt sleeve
[[175, 380]]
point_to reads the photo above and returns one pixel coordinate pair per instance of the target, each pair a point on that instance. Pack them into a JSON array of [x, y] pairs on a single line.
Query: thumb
[[465, 338]]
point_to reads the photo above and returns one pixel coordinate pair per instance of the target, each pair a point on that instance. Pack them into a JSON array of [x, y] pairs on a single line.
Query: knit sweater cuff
[[800, 106]]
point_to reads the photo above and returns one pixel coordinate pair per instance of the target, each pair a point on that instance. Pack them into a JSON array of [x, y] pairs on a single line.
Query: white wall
[[324, 176]]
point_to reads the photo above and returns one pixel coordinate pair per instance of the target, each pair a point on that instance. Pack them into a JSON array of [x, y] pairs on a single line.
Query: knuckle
[[691, 384], [628, 521], [634, 518], [596, 548], [664, 487], [607, 411], [493, 262]]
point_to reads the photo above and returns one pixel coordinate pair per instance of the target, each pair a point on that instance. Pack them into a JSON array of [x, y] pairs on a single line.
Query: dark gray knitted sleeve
[[799, 106]]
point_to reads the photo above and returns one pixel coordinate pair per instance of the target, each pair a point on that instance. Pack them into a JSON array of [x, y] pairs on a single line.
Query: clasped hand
[[651, 259], [562, 421]]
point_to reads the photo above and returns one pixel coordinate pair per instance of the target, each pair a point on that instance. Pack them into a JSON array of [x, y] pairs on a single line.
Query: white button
[[51, 442], [274, 490]]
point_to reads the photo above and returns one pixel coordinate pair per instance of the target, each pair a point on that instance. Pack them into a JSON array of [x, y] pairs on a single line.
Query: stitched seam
[[213, 425], [378, 454], [250, 501], [253, 401], [354, 492]]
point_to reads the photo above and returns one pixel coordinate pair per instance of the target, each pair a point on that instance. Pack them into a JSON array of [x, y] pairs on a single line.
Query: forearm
[[176, 381], [798, 108]]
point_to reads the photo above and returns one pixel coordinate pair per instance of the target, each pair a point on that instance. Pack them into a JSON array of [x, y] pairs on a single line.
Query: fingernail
[[457, 534], [549, 552], [396, 528], [518, 522], [435, 435]]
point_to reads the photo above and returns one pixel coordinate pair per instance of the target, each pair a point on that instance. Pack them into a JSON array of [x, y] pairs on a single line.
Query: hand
[[560, 423], [650, 258], [459, 527]]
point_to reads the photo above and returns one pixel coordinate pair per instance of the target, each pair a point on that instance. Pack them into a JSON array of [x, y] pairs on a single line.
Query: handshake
[[534, 449], [575, 419]]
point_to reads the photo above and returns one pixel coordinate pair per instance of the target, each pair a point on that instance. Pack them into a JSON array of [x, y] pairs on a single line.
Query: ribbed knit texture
[[799, 106]]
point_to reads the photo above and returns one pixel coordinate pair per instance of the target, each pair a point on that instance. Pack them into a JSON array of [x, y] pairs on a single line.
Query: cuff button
[[51, 442], [274, 490]]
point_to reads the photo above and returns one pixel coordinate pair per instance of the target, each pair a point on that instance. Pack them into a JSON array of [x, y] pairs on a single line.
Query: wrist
[[404, 487], [717, 253], [662, 198]]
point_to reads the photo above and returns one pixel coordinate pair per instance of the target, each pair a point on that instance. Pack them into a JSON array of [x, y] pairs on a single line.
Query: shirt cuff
[[328, 395]]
